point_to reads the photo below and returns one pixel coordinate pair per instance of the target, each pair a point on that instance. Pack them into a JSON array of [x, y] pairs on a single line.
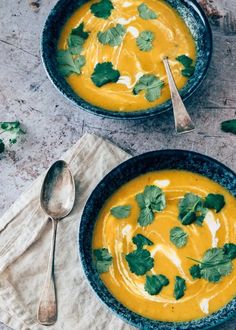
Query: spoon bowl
[[58, 191]]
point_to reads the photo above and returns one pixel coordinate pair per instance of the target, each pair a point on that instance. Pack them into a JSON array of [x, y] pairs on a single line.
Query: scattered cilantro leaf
[[121, 212], [229, 126], [151, 85], [151, 200], [76, 39], [112, 36], [145, 12], [144, 41], [155, 283], [178, 237], [191, 209], [187, 62], [195, 271], [102, 9], [215, 201], [104, 74], [67, 65], [180, 287], [214, 265], [140, 261], [230, 250], [103, 260], [139, 240], [2, 146]]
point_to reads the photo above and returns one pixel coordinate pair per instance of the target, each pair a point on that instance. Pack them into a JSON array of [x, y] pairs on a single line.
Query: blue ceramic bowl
[[151, 161], [190, 11]]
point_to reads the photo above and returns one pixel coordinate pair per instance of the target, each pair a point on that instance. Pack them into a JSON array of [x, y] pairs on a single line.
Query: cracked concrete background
[[53, 124]]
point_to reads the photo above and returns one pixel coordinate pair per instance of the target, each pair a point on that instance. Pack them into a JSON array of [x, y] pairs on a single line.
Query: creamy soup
[[133, 39], [115, 231]]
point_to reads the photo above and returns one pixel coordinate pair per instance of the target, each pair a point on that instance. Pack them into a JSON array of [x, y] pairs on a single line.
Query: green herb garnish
[[192, 210], [151, 85], [103, 260], [77, 39], [178, 237], [215, 201], [230, 250], [155, 283], [121, 212], [195, 271], [150, 201], [144, 41], [113, 36], [102, 9], [145, 12], [139, 240], [13, 129], [140, 261], [180, 287], [69, 65], [229, 126], [214, 265], [187, 62], [104, 74]]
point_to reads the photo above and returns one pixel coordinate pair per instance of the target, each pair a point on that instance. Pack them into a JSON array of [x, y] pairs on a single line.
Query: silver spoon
[[183, 122], [57, 200]]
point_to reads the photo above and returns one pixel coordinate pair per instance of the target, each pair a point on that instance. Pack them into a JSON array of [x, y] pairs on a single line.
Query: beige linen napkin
[[25, 236]]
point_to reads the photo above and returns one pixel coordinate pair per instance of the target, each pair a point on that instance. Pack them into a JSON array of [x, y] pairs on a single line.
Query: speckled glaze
[[190, 11], [151, 161]]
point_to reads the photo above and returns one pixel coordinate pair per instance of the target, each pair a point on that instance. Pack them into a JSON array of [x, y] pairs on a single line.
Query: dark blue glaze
[[151, 161], [190, 11]]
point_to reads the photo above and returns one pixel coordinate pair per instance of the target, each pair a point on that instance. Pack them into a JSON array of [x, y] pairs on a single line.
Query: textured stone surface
[[53, 124]]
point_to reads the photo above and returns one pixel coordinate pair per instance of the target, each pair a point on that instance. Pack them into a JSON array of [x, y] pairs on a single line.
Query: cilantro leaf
[[112, 36], [214, 265], [141, 240], [151, 200], [144, 41], [180, 287], [121, 212], [140, 261], [103, 260], [102, 9], [191, 209], [2, 146], [215, 201], [187, 62], [229, 126], [104, 74], [76, 39], [230, 250], [67, 65], [155, 283], [145, 12], [195, 271], [178, 237], [151, 85]]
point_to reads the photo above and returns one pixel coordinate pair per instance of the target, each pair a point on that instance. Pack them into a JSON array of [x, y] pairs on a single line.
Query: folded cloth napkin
[[25, 236]]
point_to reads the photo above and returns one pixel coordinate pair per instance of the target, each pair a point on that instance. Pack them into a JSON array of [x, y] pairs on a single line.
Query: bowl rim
[[122, 115], [120, 309]]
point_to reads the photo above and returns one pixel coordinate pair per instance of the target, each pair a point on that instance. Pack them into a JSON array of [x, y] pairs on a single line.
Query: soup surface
[[201, 297], [145, 32]]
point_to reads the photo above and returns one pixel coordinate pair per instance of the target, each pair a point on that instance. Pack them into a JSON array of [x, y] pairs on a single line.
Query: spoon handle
[[183, 122], [47, 310]]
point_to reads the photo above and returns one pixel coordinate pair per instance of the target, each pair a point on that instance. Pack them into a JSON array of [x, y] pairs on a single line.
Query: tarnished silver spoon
[[57, 200], [183, 122]]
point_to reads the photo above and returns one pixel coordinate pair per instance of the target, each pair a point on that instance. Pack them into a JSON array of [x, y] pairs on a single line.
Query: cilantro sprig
[[178, 237], [192, 209], [104, 73], [113, 36], [144, 41], [102, 260], [140, 261], [12, 131], [146, 13], [102, 9], [187, 62], [179, 288], [155, 283], [215, 264], [121, 212], [215, 202], [229, 126], [150, 201], [139, 240], [151, 85]]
